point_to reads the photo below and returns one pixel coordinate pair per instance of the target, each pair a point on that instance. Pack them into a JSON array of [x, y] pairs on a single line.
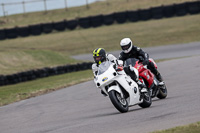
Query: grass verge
[[191, 128]]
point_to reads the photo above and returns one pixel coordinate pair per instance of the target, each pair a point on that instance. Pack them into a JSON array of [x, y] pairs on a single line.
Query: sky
[[16, 6]]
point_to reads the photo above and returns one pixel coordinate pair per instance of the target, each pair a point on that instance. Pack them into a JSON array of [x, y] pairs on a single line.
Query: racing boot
[[160, 79], [141, 86], [156, 73]]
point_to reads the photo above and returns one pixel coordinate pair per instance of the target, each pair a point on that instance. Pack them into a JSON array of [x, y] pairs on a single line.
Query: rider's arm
[[122, 56], [94, 69], [111, 58], [142, 53]]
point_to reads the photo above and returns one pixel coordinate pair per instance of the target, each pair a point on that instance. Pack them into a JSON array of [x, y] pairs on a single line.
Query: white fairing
[[135, 71], [105, 78]]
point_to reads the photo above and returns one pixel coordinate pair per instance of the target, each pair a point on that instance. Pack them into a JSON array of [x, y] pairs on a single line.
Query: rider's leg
[[132, 74], [155, 71]]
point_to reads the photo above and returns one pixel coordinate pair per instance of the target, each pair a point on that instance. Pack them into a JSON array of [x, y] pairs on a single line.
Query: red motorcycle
[[148, 78]]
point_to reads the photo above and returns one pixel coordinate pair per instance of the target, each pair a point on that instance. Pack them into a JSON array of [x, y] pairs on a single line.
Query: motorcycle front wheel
[[119, 102]]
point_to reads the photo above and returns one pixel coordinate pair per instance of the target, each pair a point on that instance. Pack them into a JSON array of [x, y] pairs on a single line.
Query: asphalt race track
[[160, 52], [82, 109]]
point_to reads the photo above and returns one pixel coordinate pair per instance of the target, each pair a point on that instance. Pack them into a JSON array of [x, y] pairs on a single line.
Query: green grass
[[13, 61], [76, 12], [17, 92], [191, 128], [54, 49]]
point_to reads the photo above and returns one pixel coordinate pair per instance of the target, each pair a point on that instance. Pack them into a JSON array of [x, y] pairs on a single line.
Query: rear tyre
[[162, 92], [146, 100], [119, 102]]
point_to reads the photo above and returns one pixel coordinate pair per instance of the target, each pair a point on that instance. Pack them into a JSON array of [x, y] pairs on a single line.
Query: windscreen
[[103, 67], [130, 61]]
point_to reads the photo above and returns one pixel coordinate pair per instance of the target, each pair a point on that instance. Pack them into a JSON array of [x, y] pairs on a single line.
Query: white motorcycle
[[121, 89]]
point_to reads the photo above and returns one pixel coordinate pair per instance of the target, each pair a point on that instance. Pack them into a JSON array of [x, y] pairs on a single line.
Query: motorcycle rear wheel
[[162, 92], [146, 100], [119, 102]]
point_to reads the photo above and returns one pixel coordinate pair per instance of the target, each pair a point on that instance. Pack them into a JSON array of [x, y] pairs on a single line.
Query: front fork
[[154, 89], [116, 88]]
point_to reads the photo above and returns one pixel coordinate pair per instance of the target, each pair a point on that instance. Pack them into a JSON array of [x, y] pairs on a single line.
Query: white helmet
[[126, 45]]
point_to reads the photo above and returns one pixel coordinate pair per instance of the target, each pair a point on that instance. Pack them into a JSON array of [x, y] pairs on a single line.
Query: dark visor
[[97, 58], [126, 47]]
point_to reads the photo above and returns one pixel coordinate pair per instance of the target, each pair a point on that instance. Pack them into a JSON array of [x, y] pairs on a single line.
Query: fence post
[[4, 13], [45, 6], [87, 5], [65, 5], [24, 9]]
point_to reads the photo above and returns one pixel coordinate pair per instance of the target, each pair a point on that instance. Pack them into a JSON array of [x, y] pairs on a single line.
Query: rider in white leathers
[[100, 56]]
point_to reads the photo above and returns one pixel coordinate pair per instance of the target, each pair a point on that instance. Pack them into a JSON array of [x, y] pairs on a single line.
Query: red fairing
[[144, 73]]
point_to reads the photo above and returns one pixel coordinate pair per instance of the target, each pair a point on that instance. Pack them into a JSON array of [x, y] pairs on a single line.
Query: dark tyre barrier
[[133, 16], [13, 79], [35, 29], [60, 70], [169, 11], [30, 75], [19, 76], [40, 73], [96, 21], [78, 67], [47, 28], [72, 68], [145, 14], [157, 12], [108, 19], [3, 80], [43, 72], [23, 76], [23, 31], [193, 7], [52, 71], [85, 66], [11, 33], [72, 24], [59, 26], [120, 17], [2, 34], [66, 68], [180, 9], [84, 22]]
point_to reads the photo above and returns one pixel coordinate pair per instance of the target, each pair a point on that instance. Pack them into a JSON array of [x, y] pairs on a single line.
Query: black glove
[[145, 62], [141, 59]]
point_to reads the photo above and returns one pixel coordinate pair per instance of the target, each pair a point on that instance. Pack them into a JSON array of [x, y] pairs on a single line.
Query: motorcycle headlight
[[98, 84], [114, 73]]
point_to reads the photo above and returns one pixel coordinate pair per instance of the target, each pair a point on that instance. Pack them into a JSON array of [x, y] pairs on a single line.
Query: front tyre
[[162, 92], [119, 102]]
